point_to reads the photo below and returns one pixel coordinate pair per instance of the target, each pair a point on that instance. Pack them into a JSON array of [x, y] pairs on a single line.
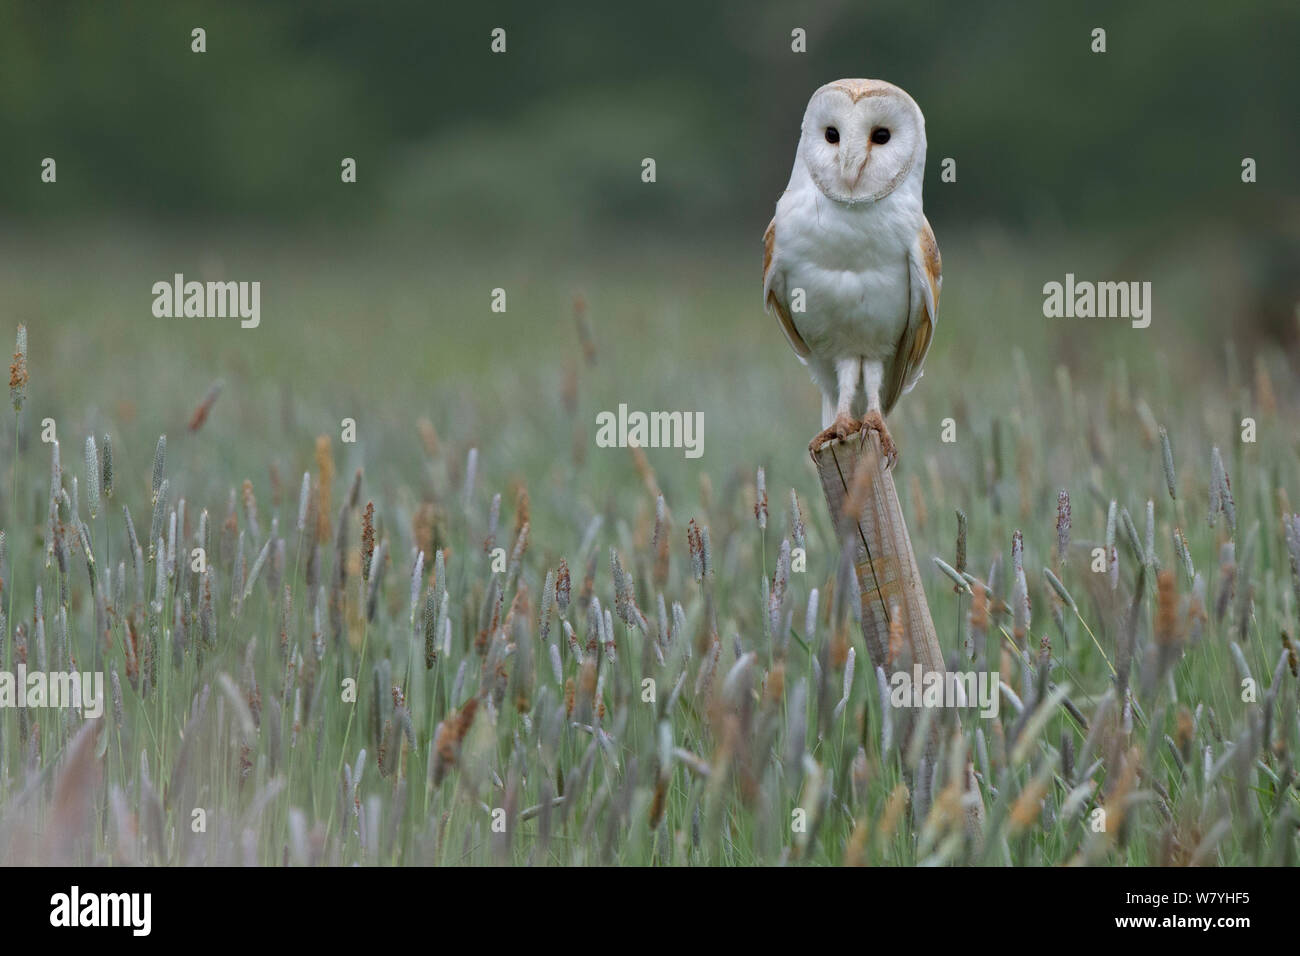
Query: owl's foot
[[875, 423], [840, 429]]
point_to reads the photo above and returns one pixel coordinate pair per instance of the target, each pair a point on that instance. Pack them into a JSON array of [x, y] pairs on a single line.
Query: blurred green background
[[522, 171], [1045, 132]]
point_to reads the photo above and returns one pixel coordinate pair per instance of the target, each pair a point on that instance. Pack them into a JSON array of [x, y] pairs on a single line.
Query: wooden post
[[889, 582], [888, 579]]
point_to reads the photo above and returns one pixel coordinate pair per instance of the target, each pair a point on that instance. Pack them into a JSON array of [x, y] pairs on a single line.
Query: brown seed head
[[563, 586], [367, 540], [18, 370], [429, 436], [324, 503], [204, 407]]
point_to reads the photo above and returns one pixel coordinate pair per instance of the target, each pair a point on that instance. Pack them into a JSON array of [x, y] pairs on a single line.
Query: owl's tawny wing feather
[[925, 277], [774, 301]]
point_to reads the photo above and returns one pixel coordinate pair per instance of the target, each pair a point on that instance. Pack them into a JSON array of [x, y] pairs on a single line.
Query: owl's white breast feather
[[851, 261]]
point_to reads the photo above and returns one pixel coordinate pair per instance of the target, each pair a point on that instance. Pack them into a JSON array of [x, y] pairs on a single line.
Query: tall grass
[[479, 653]]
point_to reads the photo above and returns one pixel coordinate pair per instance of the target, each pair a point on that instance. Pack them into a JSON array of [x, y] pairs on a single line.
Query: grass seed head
[[897, 640], [18, 376], [1167, 630], [961, 542], [695, 544], [106, 467], [324, 487], [250, 509], [1167, 460], [660, 542], [92, 476], [204, 407], [428, 435], [1020, 605], [1062, 526], [159, 466], [367, 540], [563, 587], [797, 530]]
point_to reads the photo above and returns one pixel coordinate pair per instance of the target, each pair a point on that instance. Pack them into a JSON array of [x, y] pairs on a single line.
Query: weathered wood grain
[[888, 580]]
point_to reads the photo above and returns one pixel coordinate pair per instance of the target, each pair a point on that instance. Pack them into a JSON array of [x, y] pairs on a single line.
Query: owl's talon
[[874, 422], [839, 430]]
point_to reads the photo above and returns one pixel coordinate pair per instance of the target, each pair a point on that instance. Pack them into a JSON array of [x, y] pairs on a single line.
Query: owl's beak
[[852, 163]]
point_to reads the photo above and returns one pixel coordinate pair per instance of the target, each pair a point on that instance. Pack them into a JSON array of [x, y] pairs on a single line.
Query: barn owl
[[850, 265]]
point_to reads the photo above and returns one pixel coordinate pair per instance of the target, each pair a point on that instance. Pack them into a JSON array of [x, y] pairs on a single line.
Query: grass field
[[487, 697]]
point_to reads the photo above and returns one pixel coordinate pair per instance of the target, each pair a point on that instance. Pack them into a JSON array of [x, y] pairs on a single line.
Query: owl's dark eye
[[832, 134], [880, 136]]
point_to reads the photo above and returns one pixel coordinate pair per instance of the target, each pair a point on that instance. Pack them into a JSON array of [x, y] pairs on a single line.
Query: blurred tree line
[[552, 133]]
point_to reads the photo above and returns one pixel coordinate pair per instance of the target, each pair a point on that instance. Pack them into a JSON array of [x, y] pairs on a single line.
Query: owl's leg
[[843, 424], [873, 376]]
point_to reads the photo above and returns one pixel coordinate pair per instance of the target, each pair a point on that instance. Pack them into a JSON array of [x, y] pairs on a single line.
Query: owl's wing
[[925, 279], [773, 301]]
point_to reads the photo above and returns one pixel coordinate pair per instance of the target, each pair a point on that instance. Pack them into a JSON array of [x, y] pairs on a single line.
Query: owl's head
[[861, 138]]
